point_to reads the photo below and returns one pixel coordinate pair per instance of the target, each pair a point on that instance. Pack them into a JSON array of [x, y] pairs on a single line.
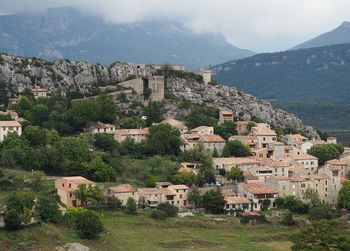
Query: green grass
[[140, 232]]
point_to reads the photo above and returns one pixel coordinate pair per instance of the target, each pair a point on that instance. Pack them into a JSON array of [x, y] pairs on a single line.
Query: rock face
[[82, 77]]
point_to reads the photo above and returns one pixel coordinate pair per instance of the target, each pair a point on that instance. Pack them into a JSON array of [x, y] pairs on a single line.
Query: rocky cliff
[[82, 77]]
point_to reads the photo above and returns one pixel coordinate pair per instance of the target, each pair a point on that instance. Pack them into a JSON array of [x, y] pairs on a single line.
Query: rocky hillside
[[84, 77]]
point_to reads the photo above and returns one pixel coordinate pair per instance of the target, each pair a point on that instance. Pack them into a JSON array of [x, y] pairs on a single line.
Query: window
[[62, 184], [180, 196], [69, 185], [312, 162], [70, 194]]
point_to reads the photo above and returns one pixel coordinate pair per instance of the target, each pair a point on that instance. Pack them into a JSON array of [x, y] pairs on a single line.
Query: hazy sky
[[260, 25]]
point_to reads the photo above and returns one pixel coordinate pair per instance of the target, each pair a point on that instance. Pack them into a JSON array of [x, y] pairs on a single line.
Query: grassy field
[[141, 232]]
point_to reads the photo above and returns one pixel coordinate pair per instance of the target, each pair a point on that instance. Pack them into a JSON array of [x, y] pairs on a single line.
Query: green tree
[[4, 98], [20, 200], [164, 140], [169, 209], [194, 197], [35, 135], [200, 116], [74, 149], [88, 225], [312, 197], [100, 170], [226, 130], [131, 206], [344, 195], [82, 112], [47, 209], [40, 114], [107, 112], [324, 211], [288, 219], [236, 175], [153, 114], [12, 220], [105, 141], [320, 235], [325, 152], [213, 201], [236, 148], [184, 178]]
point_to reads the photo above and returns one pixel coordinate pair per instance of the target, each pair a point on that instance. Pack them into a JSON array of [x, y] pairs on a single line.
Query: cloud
[[261, 25]]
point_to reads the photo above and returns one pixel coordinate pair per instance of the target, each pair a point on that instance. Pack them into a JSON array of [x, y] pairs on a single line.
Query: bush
[[168, 209], [88, 225], [279, 201], [12, 220], [324, 211], [158, 214], [130, 207], [72, 213], [47, 210], [288, 219], [6, 184]]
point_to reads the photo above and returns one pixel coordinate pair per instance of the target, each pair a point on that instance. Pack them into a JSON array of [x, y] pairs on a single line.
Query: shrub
[[279, 201], [324, 211], [88, 225], [158, 214], [12, 220], [113, 202], [288, 219], [48, 210], [130, 207], [6, 184], [168, 209], [72, 213]]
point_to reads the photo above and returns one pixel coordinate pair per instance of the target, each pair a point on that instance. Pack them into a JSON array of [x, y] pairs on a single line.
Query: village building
[[225, 116], [188, 167], [237, 203], [264, 135], [210, 142], [100, 128], [244, 163], [326, 186], [12, 114], [291, 139], [262, 172], [39, 92], [123, 192], [308, 161], [342, 164], [257, 192], [137, 135], [248, 140], [176, 124], [13, 100], [331, 140], [243, 127], [7, 127], [203, 130], [66, 186]]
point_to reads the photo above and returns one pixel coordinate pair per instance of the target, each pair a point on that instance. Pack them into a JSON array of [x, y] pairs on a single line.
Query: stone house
[[66, 186], [244, 163], [257, 192], [203, 130], [137, 135], [176, 124], [240, 203], [242, 127], [123, 192], [210, 142], [264, 135], [7, 127], [248, 140], [100, 128], [12, 114], [39, 92], [308, 161], [225, 116]]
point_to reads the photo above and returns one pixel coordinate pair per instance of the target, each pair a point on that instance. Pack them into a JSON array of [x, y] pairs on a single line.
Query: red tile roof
[[257, 188], [123, 188]]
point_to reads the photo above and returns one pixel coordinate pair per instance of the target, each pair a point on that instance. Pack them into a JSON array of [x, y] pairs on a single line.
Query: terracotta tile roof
[[262, 130], [199, 128], [257, 188], [174, 123], [78, 180], [211, 138], [9, 123], [226, 113], [236, 160], [296, 137], [179, 187], [228, 192], [260, 168], [231, 200], [163, 183], [148, 190], [319, 142], [249, 176], [333, 168], [190, 137], [166, 191], [337, 162], [126, 132], [123, 188], [303, 156]]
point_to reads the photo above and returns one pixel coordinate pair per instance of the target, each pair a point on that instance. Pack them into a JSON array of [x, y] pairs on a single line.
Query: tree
[[74, 149], [213, 201], [3, 93], [325, 152], [265, 203], [168, 209], [100, 170], [89, 194], [288, 219], [130, 207], [40, 114], [320, 235], [200, 116], [194, 197], [226, 130], [236, 148], [324, 211], [152, 112], [20, 200], [236, 175], [344, 195], [105, 141], [88, 225], [158, 214], [279, 201], [312, 196], [184, 178], [47, 210], [107, 112], [12, 220], [163, 140]]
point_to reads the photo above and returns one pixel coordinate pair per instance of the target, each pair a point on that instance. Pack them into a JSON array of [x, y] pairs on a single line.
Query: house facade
[[123, 192], [7, 127]]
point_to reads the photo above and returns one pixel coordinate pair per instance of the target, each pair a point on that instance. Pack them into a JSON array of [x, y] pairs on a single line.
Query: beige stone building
[[264, 135], [308, 161], [40, 92], [256, 192], [137, 135], [244, 163], [66, 186], [242, 127], [123, 192], [203, 130], [209, 141], [100, 128], [176, 124], [248, 140], [10, 113], [225, 116], [7, 127], [236, 202]]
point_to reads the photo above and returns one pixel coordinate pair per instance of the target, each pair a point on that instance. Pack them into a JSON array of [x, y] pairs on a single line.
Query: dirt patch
[[189, 244]]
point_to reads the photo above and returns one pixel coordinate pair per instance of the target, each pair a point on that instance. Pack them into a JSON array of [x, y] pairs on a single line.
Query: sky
[[259, 25]]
